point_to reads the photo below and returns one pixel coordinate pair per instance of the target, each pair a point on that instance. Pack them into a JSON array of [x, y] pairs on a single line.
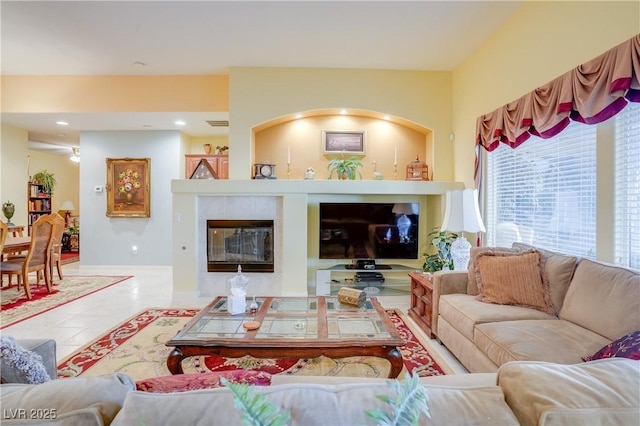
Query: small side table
[[421, 301]]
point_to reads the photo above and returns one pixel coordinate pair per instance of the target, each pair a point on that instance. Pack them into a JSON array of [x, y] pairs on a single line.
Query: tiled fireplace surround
[[293, 205]]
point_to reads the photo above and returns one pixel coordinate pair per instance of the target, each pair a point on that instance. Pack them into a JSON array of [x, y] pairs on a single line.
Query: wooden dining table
[[16, 244]]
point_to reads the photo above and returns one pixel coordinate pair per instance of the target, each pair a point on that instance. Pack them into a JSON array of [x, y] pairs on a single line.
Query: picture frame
[[128, 187], [347, 141]]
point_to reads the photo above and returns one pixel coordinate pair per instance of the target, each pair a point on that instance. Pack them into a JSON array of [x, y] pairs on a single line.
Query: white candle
[[288, 155], [395, 155]]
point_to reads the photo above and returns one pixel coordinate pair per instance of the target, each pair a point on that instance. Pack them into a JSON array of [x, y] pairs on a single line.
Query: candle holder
[[288, 170], [395, 171]]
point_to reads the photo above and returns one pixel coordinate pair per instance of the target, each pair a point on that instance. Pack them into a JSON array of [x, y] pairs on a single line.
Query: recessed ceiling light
[[180, 123], [62, 123], [343, 112]]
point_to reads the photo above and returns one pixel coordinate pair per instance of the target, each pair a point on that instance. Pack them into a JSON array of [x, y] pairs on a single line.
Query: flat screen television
[[369, 230]]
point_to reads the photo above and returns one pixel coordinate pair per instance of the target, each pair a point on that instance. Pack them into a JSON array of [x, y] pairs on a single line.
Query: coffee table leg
[[395, 358], [174, 361]]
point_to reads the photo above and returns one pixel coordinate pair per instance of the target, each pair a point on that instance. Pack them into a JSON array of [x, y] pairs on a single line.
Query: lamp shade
[[405, 208], [67, 205], [462, 212]]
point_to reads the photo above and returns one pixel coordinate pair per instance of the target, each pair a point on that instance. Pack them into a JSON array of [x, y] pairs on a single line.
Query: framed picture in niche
[[347, 141], [128, 187]]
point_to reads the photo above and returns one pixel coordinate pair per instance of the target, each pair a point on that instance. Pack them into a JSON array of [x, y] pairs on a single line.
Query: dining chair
[[4, 230], [38, 255], [56, 246]]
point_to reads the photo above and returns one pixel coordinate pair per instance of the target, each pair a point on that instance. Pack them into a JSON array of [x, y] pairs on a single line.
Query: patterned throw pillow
[[513, 279], [627, 346], [188, 382]]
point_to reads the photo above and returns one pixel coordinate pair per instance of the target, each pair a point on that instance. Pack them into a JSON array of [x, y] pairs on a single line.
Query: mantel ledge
[[281, 187]]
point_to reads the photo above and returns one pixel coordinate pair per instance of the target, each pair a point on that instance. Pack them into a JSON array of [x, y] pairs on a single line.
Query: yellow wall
[[258, 95], [72, 93], [25, 163], [540, 42], [303, 138]]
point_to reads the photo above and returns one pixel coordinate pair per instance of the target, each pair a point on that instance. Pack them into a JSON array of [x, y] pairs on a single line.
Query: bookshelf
[[38, 203]]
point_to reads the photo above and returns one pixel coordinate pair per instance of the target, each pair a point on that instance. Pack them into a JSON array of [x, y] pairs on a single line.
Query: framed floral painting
[[128, 187]]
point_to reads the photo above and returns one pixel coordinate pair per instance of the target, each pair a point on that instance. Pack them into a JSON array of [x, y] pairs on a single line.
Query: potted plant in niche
[[441, 259], [345, 168], [46, 179]]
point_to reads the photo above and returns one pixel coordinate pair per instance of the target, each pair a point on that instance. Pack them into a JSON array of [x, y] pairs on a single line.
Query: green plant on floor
[[441, 259], [410, 400], [345, 168], [404, 408], [256, 409], [46, 179]]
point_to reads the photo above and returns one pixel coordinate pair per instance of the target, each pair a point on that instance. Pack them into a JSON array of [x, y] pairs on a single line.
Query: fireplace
[[248, 243]]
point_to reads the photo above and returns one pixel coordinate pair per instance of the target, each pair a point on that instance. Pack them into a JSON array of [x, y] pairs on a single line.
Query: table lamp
[[462, 214], [67, 206], [401, 210]]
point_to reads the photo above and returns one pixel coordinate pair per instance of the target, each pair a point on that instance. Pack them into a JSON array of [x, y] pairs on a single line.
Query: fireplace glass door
[[248, 243]]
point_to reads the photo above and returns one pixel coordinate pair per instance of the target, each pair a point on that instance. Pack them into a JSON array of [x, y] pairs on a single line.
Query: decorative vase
[[207, 148], [8, 209], [129, 197]]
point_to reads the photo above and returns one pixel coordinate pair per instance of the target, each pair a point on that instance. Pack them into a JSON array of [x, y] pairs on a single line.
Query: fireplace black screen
[[248, 243]]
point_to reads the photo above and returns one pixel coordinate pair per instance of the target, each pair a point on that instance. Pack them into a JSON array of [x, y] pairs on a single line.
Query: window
[[544, 192], [627, 186]]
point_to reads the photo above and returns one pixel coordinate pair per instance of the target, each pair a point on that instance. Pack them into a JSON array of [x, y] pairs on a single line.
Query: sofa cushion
[[601, 288], [208, 380], [464, 312], [313, 404], [513, 279], [597, 392], [559, 269], [536, 340], [628, 346], [472, 284], [105, 394]]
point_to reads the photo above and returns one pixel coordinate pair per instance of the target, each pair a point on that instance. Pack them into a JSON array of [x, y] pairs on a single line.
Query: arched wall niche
[[298, 137]]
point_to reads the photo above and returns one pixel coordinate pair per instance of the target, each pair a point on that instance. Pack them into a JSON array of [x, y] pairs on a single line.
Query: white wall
[[108, 240]]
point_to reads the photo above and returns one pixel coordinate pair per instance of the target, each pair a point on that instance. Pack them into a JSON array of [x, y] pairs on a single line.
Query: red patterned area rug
[[69, 257], [16, 307], [136, 347]]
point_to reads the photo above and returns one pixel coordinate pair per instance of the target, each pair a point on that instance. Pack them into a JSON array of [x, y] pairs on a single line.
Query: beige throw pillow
[[472, 284], [513, 279]]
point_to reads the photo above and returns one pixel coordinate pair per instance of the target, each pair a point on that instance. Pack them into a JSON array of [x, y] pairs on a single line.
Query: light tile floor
[[77, 323]]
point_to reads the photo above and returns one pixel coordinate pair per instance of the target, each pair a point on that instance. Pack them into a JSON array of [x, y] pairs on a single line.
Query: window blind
[[544, 192], [627, 186]]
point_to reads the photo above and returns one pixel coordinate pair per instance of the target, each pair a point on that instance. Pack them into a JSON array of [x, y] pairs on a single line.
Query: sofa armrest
[[46, 348], [446, 282]]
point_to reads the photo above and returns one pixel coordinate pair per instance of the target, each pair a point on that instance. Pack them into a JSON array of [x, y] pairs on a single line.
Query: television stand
[[396, 280]]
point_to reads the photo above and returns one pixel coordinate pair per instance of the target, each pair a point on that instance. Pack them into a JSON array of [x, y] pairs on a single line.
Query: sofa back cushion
[[312, 404], [598, 392], [604, 299], [559, 270]]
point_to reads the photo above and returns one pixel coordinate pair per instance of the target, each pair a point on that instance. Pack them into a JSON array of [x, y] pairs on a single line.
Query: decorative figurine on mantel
[[376, 174], [310, 174], [417, 170]]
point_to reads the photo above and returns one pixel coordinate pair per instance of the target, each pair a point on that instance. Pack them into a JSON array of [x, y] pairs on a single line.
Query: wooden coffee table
[[290, 327]]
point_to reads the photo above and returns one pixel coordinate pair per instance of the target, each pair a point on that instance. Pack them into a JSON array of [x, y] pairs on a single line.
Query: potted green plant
[[46, 179], [345, 168], [441, 259]]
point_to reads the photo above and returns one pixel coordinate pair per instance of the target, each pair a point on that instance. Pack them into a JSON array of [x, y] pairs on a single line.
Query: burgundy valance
[[591, 93]]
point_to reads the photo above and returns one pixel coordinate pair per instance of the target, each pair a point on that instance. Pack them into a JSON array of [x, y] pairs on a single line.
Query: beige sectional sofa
[[592, 304], [605, 391]]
